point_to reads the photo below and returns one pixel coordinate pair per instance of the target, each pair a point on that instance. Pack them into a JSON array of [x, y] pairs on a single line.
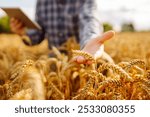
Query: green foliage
[[4, 24], [107, 27], [128, 27]]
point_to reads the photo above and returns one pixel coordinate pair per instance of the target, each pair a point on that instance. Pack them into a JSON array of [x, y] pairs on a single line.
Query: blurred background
[[121, 15], [39, 72]]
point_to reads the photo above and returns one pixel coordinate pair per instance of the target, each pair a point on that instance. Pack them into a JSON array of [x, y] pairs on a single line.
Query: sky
[[116, 12]]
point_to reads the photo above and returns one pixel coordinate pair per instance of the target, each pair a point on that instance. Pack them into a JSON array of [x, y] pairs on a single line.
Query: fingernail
[[74, 59], [89, 62], [80, 59]]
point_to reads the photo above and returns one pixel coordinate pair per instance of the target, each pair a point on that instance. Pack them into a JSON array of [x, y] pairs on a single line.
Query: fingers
[[106, 36], [16, 23], [13, 22], [93, 44], [94, 47], [19, 25], [81, 60], [16, 26]]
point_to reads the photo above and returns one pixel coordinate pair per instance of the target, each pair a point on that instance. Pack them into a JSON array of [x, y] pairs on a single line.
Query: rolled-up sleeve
[[37, 36], [89, 21]]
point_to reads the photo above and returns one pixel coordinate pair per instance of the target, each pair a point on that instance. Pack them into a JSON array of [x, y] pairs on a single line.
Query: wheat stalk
[[115, 69], [86, 55], [135, 62]]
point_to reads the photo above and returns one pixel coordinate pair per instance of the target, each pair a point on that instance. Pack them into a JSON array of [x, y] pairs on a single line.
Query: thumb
[[94, 44], [106, 36]]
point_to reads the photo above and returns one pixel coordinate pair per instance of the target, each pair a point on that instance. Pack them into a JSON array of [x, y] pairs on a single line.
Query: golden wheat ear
[[26, 40], [23, 95], [86, 55], [117, 69]]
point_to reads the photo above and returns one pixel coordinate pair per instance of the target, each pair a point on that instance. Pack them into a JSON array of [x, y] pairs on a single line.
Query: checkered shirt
[[61, 19]]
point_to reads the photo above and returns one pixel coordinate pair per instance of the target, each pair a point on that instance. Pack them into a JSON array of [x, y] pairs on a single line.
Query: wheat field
[[28, 73]]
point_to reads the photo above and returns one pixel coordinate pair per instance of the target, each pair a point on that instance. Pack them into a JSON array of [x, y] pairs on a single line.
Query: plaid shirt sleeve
[[58, 21], [37, 36], [89, 20]]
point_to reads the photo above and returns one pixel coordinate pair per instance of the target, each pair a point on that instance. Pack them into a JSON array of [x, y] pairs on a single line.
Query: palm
[[95, 44]]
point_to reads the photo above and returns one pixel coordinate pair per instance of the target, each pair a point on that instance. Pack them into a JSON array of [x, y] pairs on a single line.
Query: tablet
[[19, 14]]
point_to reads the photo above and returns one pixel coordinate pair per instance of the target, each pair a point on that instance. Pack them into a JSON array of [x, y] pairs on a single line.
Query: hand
[[94, 46], [17, 26]]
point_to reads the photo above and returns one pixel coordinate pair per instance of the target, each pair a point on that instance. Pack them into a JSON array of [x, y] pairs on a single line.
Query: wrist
[[26, 40], [23, 32]]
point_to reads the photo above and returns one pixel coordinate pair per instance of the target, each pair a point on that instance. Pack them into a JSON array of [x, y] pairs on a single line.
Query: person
[[61, 19]]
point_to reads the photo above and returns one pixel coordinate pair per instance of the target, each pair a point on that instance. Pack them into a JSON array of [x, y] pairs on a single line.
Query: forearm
[[90, 25]]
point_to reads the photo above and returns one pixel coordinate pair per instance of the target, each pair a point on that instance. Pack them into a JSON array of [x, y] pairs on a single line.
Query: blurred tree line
[[107, 27], [126, 27], [4, 24]]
